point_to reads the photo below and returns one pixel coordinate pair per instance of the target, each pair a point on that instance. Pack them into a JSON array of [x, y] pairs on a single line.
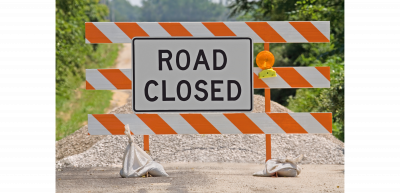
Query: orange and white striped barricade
[[213, 123], [258, 31], [287, 77]]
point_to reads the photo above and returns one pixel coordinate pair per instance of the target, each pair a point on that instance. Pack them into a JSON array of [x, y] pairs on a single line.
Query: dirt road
[[120, 97], [203, 177]]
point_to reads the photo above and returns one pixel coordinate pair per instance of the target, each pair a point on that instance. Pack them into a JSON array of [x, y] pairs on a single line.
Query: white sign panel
[[192, 74]]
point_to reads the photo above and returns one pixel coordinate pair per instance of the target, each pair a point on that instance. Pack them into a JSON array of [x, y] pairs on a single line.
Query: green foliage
[[76, 114], [72, 111], [123, 11], [311, 54], [182, 10], [71, 50], [167, 11], [295, 10], [73, 56], [325, 100]]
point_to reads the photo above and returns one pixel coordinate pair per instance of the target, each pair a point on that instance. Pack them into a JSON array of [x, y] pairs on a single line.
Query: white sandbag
[[137, 162], [283, 167]]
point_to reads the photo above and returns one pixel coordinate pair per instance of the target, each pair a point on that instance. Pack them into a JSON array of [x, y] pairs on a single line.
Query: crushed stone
[[76, 143], [80, 141], [108, 151]]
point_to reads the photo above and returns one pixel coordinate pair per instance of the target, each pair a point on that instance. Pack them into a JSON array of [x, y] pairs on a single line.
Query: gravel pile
[[76, 143], [317, 148]]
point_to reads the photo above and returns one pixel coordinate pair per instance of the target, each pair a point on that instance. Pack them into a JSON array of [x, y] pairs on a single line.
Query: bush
[[72, 53], [73, 56], [325, 99]]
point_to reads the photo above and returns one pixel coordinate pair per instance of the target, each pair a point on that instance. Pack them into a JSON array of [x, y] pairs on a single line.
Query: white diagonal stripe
[[197, 29], [276, 82], [308, 122], [241, 29], [153, 29], [87, 41], [178, 123], [95, 127], [287, 31], [323, 27], [127, 73], [265, 123], [273, 82], [222, 124], [98, 81], [313, 76], [136, 125], [112, 32]]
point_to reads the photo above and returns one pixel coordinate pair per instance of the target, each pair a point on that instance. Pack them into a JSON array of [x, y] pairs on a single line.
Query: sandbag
[[284, 167], [137, 162]]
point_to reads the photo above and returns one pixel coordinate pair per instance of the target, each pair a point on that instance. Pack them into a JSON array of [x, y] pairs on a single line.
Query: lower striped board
[[208, 123]]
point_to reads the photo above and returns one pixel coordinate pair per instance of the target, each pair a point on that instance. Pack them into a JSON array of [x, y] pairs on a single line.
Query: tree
[[330, 54], [123, 11], [182, 10]]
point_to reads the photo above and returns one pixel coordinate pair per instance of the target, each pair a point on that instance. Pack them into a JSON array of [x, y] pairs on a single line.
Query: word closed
[[192, 74]]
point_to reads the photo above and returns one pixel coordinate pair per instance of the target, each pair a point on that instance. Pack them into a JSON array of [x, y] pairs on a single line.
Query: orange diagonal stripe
[[258, 83], [117, 78], [265, 31], [111, 123], [175, 29], [325, 119], [292, 77], [287, 123], [218, 28], [156, 123], [94, 35], [325, 71], [309, 31], [89, 86], [200, 124], [131, 29], [244, 123]]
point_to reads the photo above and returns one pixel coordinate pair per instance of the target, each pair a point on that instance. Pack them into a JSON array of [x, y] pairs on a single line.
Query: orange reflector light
[[265, 60]]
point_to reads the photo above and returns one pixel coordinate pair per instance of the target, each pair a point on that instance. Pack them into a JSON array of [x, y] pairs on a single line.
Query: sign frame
[[192, 110]]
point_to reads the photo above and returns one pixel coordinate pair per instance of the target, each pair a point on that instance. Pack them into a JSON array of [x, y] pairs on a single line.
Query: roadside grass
[[72, 108]]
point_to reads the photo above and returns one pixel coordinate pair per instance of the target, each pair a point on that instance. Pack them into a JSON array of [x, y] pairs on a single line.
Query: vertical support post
[[146, 146], [268, 147], [267, 94], [266, 46]]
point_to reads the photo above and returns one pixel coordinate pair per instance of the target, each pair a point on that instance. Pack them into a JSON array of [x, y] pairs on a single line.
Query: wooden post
[[146, 146], [267, 94]]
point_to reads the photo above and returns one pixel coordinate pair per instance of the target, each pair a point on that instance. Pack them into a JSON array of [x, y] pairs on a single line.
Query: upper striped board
[[260, 32], [287, 77], [208, 123]]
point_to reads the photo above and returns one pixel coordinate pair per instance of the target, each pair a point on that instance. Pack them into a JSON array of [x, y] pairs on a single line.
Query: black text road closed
[[192, 74]]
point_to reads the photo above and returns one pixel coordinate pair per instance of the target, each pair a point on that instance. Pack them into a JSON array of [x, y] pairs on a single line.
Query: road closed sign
[[192, 74]]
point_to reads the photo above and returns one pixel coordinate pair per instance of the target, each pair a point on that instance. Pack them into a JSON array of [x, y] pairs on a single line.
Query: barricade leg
[[267, 95], [146, 146], [268, 148]]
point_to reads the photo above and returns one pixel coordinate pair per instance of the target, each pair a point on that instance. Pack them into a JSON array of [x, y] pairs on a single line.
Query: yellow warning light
[[265, 60]]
